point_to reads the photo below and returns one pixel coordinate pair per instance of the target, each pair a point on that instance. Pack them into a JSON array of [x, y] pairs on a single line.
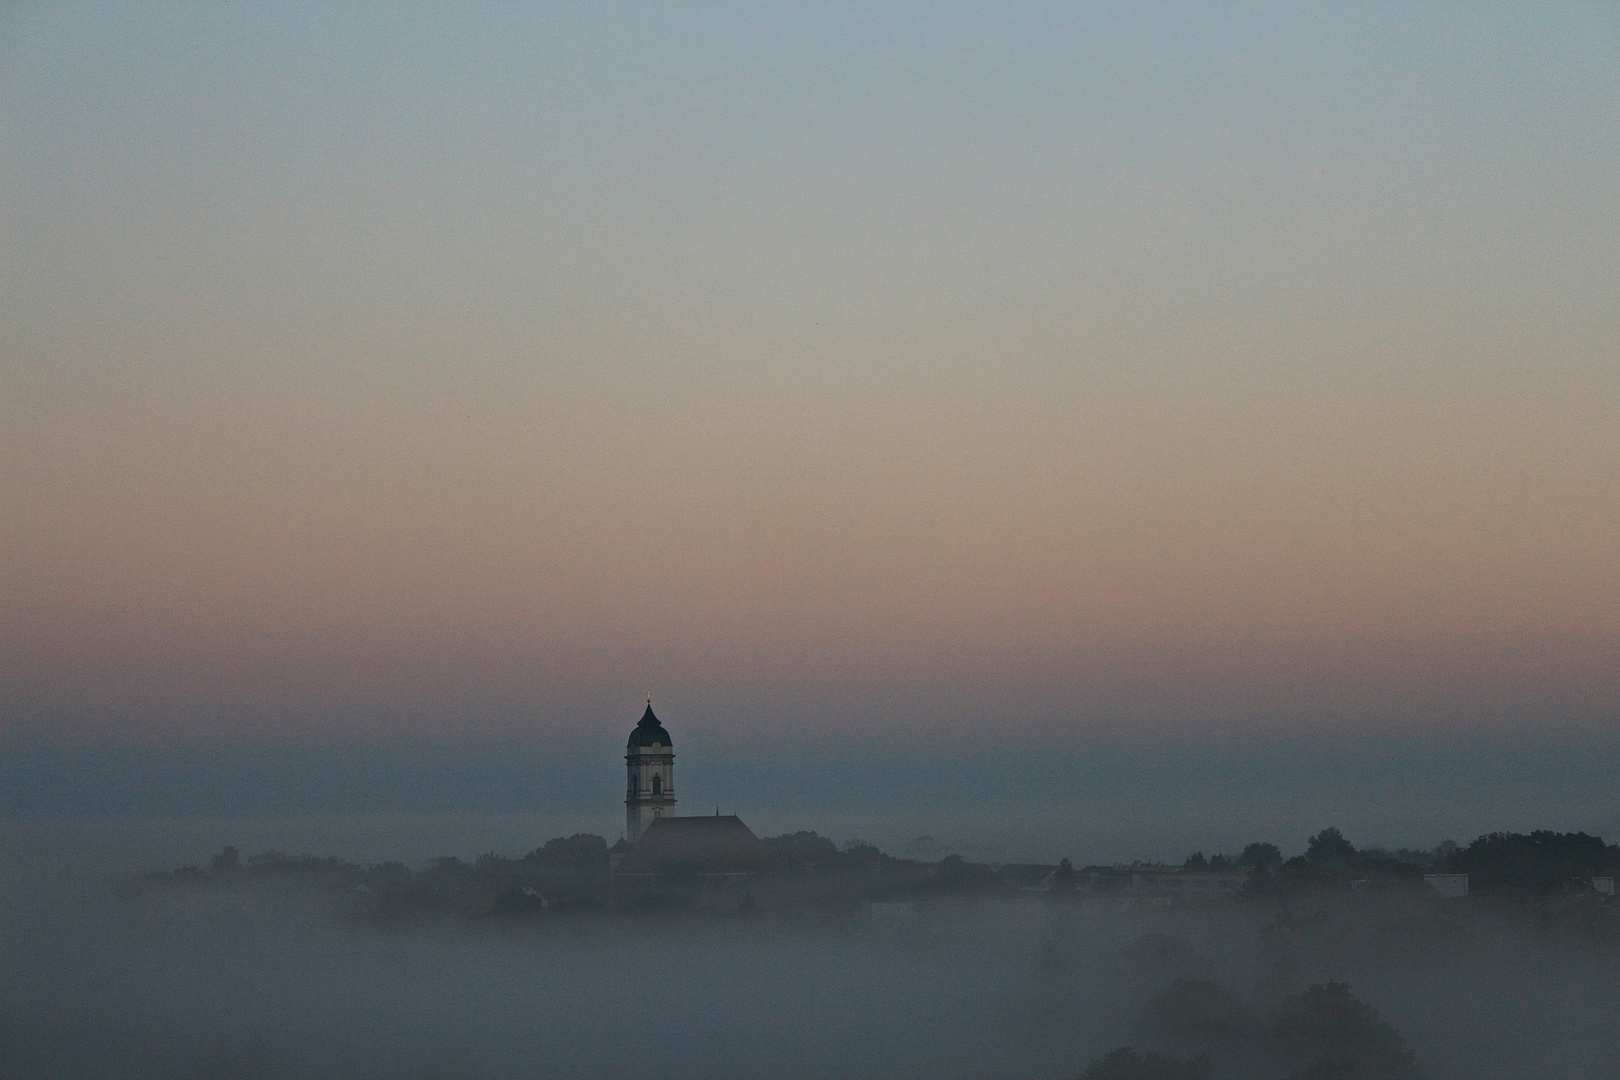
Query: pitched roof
[[696, 845]]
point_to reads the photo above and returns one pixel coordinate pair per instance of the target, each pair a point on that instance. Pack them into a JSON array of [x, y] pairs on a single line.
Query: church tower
[[649, 760]]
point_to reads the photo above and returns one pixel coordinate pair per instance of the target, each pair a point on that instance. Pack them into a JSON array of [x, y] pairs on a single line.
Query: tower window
[[658, 785]]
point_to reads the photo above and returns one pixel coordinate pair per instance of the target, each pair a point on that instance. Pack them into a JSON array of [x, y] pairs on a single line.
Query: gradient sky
[[909, 370]]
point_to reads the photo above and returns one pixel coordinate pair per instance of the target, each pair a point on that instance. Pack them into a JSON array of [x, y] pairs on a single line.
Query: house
[[1451, 886]]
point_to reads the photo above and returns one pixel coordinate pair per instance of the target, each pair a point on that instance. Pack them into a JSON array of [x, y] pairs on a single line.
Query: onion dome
[[649, 732]]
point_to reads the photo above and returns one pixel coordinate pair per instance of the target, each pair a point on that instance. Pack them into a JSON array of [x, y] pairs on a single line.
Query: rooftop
[[696, 845]]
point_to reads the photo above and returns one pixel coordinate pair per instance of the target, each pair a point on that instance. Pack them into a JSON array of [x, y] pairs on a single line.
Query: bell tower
[[649, 762]]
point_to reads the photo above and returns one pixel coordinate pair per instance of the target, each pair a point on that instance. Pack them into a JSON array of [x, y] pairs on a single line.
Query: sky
[[947, 376]]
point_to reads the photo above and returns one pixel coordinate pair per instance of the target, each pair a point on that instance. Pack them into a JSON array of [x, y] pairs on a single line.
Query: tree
[[1126, 1064], [1327, 1023], [1260, 855], [1198, 1015], [1328, 845], [1063, 876], [859, 851], [517, 904], [1196, 863], [1537, 864], [584, 853], [446, 874], [1262, 881], [491, 865]]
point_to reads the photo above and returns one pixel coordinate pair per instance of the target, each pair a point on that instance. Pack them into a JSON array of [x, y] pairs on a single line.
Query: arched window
[[658, 786]]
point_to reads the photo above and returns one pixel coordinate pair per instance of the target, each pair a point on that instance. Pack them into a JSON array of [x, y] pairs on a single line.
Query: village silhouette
[[673, 871]]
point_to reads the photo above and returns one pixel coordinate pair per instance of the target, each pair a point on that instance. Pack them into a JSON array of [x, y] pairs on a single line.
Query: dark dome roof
[[649, 731]]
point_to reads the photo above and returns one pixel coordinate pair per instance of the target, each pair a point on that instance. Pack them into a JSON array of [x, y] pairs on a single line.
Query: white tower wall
[[649, 789]]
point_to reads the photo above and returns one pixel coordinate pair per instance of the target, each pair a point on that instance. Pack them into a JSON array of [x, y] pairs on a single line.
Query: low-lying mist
[[112, 976], [229, 985]]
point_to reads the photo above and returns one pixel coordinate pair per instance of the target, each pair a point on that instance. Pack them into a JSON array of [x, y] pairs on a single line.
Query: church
[[659, 843]]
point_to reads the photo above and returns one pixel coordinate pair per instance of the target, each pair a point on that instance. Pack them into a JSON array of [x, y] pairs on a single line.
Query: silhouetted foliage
[[1260, 854], [1261, 882], [1329, 845], [447, 874], [1198, 1015], [517, 904], [860, 851], [1063, 877], [800, 849], [584, 853], [1326, 1023], [1323, 1033], [1331, 863], [1300, 875], [954, 873], [1535, 864], [388, 875]]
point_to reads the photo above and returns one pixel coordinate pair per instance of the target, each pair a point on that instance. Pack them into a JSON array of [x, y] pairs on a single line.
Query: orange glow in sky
[[476, 373]]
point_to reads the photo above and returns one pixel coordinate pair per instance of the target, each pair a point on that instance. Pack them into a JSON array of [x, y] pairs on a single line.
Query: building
[[656, 842], [1451, 886], [649, 759], [707, 848]]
